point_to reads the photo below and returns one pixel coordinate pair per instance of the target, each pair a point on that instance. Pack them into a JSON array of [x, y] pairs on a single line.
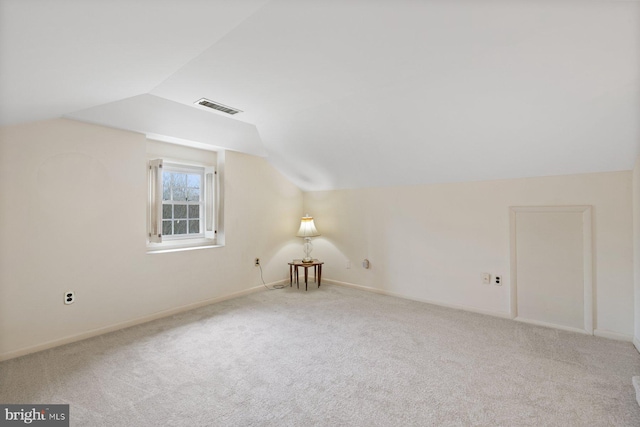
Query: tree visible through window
[[182, 203]]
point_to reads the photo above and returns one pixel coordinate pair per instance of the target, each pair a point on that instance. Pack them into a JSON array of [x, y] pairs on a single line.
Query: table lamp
[[307, 230]]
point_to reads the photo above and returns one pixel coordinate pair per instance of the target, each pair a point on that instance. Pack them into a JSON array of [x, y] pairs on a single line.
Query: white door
[[551, 247]]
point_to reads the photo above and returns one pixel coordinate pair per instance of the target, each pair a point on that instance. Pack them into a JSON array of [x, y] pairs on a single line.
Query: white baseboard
[[636, 343], [170, 312], [551, 325], [154, 316], [503, 315], [612, 335]]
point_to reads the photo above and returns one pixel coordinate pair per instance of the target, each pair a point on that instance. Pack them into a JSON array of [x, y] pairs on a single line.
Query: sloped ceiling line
[[333, 91]]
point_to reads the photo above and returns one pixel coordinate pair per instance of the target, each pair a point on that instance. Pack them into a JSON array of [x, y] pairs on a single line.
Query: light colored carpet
[[332, 356]]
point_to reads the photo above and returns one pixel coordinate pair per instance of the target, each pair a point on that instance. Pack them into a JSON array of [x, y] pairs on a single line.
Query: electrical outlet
[[497, 281], [486, 278], [257, 262], [69, 297]]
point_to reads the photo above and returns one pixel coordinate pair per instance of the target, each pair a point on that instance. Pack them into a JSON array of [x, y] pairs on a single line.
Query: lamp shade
[[307, 227]]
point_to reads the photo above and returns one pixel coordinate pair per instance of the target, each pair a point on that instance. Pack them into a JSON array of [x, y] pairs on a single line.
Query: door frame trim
[[587, 256]]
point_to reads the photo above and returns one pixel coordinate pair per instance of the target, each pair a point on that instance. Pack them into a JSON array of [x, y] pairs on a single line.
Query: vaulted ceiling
[[343, 94]]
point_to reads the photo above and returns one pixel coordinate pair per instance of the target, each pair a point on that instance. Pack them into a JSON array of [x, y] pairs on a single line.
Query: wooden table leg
[[291, 276], [297, 278], [306, 274], [319, 274]]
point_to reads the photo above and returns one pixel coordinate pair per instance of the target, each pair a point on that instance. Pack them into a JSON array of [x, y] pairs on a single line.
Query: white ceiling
[[345, 94]]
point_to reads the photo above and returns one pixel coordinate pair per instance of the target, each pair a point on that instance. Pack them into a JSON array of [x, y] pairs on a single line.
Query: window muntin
[[182, 202]]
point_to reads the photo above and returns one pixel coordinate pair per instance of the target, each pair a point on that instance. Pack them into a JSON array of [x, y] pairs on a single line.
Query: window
[[181, 203]]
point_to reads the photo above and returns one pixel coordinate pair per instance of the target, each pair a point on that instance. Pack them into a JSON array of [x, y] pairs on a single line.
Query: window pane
[[166, 186], [193, 194], [166, 211], [180, 227], [178, 179], [182, 203], [193, 181], [179, 193], [179, 211], [166, 228]]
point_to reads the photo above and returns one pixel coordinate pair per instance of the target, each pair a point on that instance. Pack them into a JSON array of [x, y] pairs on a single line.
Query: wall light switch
[[486, 278]]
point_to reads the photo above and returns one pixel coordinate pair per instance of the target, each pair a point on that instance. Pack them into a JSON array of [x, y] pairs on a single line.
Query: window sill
[[179, 246]]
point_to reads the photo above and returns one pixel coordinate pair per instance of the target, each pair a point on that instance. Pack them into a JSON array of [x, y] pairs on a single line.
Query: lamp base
[[308, 247]]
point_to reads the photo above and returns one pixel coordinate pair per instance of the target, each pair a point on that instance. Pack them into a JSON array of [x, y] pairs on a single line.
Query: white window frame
[[208, 203], [193, 170]]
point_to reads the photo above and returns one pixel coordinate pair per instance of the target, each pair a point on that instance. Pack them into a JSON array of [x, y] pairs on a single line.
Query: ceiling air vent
[[217, 106]]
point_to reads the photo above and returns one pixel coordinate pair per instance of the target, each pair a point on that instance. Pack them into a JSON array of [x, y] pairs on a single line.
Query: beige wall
[[73, 217], [432, 242], [636, 246]]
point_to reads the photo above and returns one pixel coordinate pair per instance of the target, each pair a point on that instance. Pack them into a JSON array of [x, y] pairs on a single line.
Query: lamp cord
[[275, 287]]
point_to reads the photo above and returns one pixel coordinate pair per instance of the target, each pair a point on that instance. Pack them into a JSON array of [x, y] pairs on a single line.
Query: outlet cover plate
[[69, 297]]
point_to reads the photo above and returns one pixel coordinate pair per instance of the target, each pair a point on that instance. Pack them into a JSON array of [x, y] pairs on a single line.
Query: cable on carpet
[[275, 287]]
